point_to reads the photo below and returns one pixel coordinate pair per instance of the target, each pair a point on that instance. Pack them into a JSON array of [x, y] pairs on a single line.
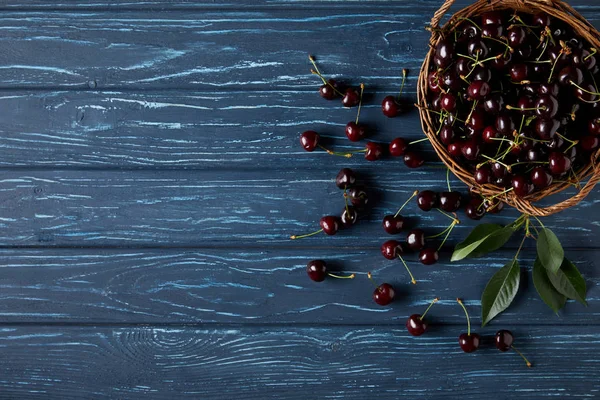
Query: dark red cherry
[[546, 128], [471, 150], [491, 18], [521, 186], [391, 249], [398, 147], [447, 135], [374, 151], [586, 92], [475, 209], [309, 140], [499, 170], [503, 61], [505, 124], [330, 224], [519, 72], [390, 107], [355, 132], [427, 200], [444, 53], [504, 340], [570, 74], [448, 102], [358, 197], [541, 19], [551, 89], [481, 74], [559, 163], [393, 224], [516, 36], [345, 179], [451, 81], [546, 106], [463, 66], [413, 160], [349, 217], [384, 294], [476, 121], [429, 256], [540, 177], [478, 90], [415, 240], [433, 81], [415, 325], [469, 31], [589, 143], [483, 175], [494, 104], [489, 134], [494, 206], [450, 201], [469, 343], [317, 270], [351, 98], [583, 59], [328, 91], [594, 126], [492, 31], [478, 47], [455, 149]]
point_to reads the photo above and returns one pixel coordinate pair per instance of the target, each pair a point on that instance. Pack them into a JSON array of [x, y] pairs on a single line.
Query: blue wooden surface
[[150, 175]]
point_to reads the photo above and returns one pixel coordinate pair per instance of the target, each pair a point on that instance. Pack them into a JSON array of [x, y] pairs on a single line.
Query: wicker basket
[[557, 9]]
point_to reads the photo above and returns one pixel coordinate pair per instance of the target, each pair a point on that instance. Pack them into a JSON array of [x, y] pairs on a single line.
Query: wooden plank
[[224, 208], [204, 49], [285, 362], [241, 286]]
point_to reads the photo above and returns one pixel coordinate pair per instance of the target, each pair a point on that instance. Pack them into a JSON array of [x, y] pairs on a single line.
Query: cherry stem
[[592, 52], [439, 234], [351, 276], [510, 49], [544, 48], [416, 192], [404, 72], [362, 89], [294, 237], [346, 201], [333, 153], [450, 228], [500, 194], [567, 140], [467, 314], [494, 160], [509, 107], [472, 110], [560, 53], [412, 278], [371, 279], [312, 60], [582, 89], [448, 179], [430, 305], [522, 356], [452, 217], [318, 73], [472, 69], [419, 141]]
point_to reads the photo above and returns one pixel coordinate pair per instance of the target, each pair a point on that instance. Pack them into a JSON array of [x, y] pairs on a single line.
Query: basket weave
[[555, 8]]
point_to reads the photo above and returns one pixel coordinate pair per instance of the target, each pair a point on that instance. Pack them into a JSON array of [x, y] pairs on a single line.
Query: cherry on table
[[413, 159], [427, 200], [374, 151], [358, 197], [351, 98], [349, 216], [398, 147], [415, 324], [415, 240], [383, 294], [504, 341], [330, 224], [317, 271], [469, 342], [345, 179], [355, 132], [309, 140], [450, 201], [429, 256], [330, 90], [392, 249], [475, 209], [393, 224]]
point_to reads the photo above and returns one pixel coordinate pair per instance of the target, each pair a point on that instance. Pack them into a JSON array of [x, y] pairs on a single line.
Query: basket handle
[[527, 207], [437, 17]]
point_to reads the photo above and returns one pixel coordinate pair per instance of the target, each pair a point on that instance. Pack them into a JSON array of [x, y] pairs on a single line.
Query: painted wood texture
[[150, 175]]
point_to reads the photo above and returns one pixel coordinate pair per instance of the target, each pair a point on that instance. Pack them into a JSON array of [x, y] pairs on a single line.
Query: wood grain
[[285, 362], [242, 286]]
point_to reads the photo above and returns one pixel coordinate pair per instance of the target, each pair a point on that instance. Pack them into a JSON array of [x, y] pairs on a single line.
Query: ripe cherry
[[330, 90], [427, 199], [450, 201], [393, 224], [317, 271], [559, 163], [471, 150], [374, 151], [392, 249], [521, 186], [309, 140], [475, 210], [429, 256], [415, 240], [415, 324], [478, 90], [504, 341], [483, 175], [384, 294], [351, 98], [392, 106], [398, 147], [448, 102], [540, 177], [358, 197], [468, 342], [413, 159], [345, 179], [349, 217], [355, 132]]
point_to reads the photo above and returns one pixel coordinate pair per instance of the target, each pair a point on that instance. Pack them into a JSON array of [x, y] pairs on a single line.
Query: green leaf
[[569, 282], [483, 239], [549, 250], [545, 289], [500, 291]]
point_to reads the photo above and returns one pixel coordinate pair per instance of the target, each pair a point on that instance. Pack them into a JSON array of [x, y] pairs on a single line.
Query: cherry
[[594, 126], [393, 224], [559, 163], [491, 18], [504, 341], [470, 150], [546, 128], [478, 90], [398, 147], [541, 19], [392, 249], [583, 59], [428, 256], [451, 80], [492, 31], [415, 240], [475, 210], [317, 271], [505, 124], [444, 53], [455, 149], [374, 151], [447, 135], [392, 106], [478, 47], [433, 82], [468, 342], [384, 294], [494, 206], [448, 102], [494, 104], [546, 106], [551, 89], [427, 199], [351, 98], [586, 92], [483, 175], [476, 121], [415, 324], [450, 201], [570, 74], [540, 177], [413, 160], [355, 132], [589, 144], [345, 179], [519, 72], [469, 31], [309, 140], [349, 217], [489, 134], [521, 186], [358, 197], [329, 91], [516, 36]]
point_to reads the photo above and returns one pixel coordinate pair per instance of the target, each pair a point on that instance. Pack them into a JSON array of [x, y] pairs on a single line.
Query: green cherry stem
[[522, 356], [294, 237], [334, 153], [448, 179], [452, 217], [593, 51], [430, 305], [416, 192], [346, 201], [362, 89], [412, 278], [450, 228], [459, 301], [404, 73], [351, 276], [418, 141], [560, 53], [320, 75]]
